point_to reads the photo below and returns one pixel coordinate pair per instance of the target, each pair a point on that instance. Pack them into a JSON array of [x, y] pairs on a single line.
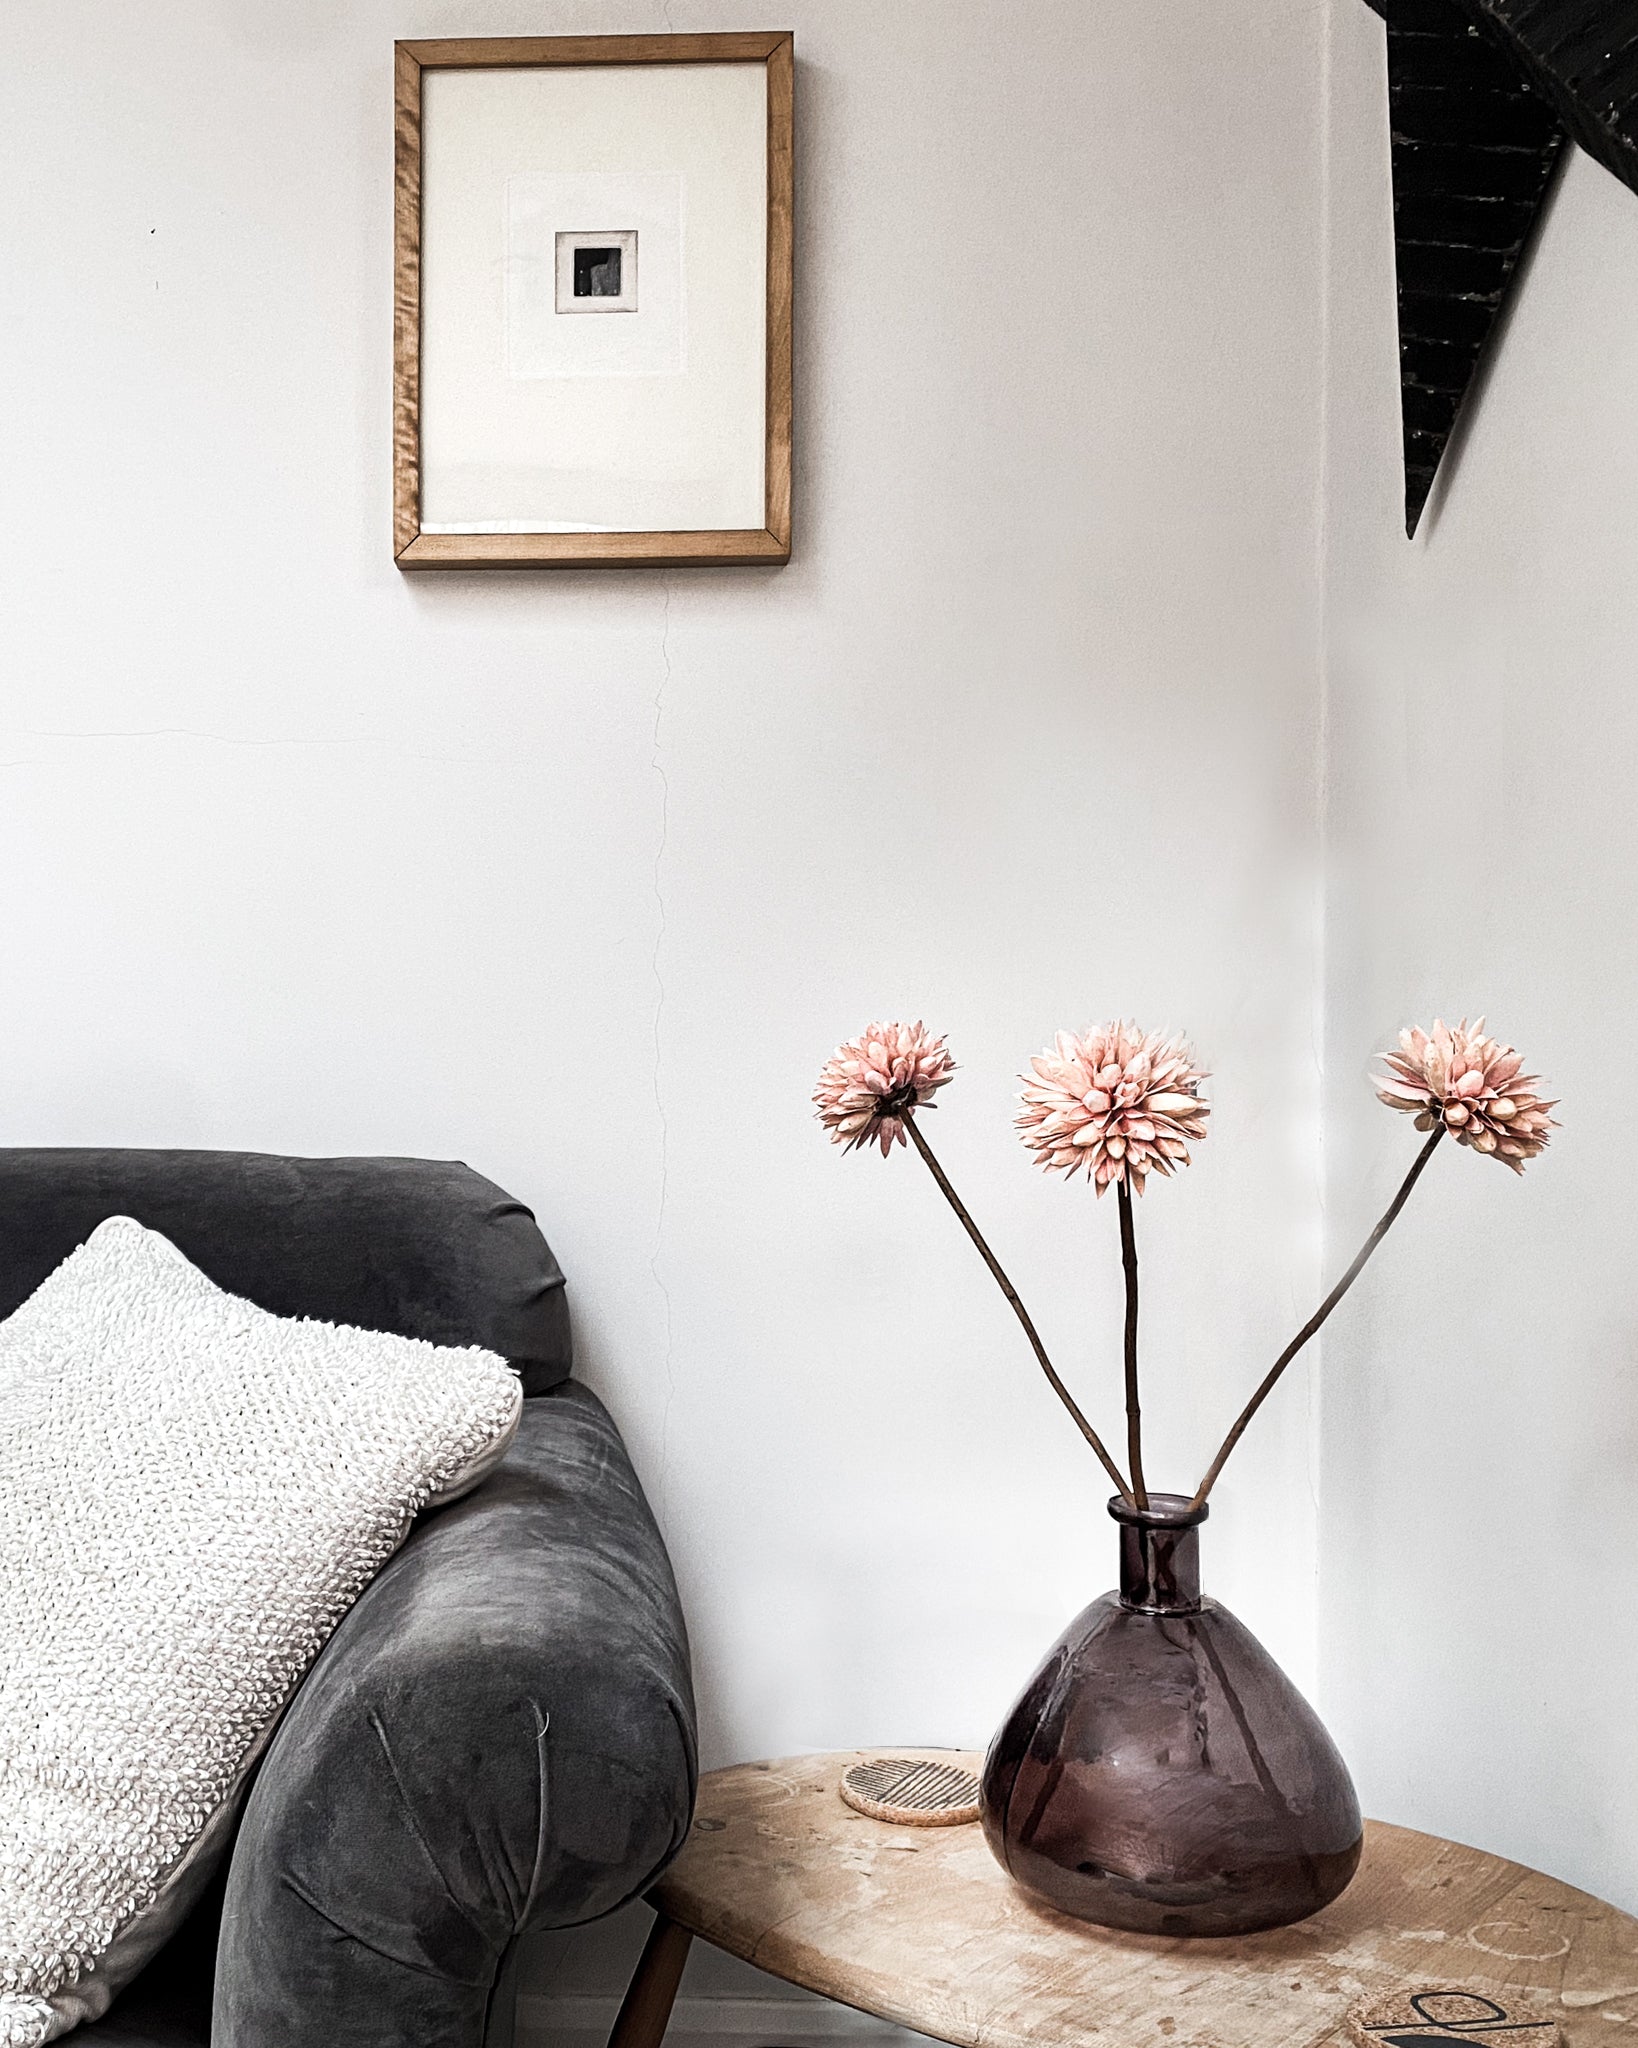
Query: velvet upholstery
[[500, 1734], [425, 1247]]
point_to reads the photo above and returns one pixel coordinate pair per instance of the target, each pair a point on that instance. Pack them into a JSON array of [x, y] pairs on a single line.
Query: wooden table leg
[[653, 1988]]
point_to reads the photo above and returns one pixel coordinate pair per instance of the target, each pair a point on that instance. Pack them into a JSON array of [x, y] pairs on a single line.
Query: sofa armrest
[[499, 1736]]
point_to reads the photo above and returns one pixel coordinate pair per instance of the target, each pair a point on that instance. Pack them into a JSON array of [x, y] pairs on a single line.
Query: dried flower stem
[[1134, 1413], [1018, 1309], [1318, 1317]]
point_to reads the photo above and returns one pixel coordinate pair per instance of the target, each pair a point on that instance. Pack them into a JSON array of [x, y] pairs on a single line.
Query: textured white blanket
[[192, 1493]]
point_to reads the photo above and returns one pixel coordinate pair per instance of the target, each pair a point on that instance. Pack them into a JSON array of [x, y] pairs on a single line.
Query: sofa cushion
[[194, 1492], [423, 1247]]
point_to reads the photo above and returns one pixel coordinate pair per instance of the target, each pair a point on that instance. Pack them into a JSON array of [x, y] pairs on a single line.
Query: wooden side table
[[921, 1926]]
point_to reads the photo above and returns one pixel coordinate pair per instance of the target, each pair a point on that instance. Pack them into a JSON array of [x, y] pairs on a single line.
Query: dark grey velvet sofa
[[500, 1734]]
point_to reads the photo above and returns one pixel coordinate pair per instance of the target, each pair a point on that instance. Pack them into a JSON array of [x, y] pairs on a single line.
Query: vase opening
[[1159, 1554]]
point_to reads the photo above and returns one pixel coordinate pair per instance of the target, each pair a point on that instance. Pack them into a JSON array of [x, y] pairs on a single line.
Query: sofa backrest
[[423, 1247]]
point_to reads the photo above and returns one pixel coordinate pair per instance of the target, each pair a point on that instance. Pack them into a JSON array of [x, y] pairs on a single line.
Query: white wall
[[1480, 1527], [579, 877]]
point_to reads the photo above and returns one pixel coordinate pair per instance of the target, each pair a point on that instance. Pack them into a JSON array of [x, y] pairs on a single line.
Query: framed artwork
[[592, 286]]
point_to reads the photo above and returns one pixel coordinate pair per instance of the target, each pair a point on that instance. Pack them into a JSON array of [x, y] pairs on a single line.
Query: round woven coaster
[[1426, 2015], [916, 1795]]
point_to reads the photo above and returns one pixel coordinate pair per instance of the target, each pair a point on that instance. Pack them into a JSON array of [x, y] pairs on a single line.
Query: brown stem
[[1318, 1317], [1134, 1414], [1018, 1307]]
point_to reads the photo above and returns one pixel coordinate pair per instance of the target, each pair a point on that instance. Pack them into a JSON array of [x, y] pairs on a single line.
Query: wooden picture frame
[[428, 544]]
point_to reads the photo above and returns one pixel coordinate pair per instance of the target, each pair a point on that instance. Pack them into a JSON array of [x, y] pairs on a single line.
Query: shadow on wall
[[1482, 844]]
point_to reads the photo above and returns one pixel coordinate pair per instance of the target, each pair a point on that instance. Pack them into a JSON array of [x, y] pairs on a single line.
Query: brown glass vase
[[1160, 1772]]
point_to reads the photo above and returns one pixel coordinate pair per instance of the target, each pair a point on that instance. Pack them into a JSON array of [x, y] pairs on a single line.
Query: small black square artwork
[[595, 270], [597, 273]]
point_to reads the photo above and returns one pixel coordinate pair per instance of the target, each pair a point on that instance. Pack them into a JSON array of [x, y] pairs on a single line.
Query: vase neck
[[1159, 1554]]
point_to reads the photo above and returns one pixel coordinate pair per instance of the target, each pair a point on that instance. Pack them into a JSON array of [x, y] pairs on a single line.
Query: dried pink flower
[[1117, 1104], [866, 1085], [1472, 1085]]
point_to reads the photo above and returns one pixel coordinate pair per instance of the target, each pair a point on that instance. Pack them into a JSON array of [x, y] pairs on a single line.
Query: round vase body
[[1160, 1772]]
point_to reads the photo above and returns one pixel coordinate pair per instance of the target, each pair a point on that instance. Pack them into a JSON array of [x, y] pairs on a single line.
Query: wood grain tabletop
[[921, 1926]]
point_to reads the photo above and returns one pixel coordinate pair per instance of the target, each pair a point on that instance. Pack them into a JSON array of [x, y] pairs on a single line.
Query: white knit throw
[[192, 1494]]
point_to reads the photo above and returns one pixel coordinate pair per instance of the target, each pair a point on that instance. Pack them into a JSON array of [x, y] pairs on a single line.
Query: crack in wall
[[657, 766], [1315, 1379]]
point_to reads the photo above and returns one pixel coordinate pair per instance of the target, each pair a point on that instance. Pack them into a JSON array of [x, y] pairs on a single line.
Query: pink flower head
[[868, 1084], [1117, 1104], [1472, 1085]]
